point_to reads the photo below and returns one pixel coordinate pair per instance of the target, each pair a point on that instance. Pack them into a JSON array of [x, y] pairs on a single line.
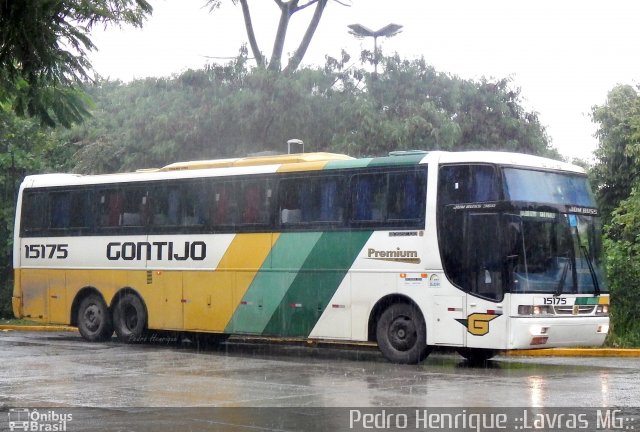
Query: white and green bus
[[479, 251]]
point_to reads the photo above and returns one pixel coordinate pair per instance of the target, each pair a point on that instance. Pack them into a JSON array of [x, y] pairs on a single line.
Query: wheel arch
[[380, 307], [81, 295]]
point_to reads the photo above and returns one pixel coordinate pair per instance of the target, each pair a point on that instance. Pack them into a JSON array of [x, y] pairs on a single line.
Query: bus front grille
[[574, 310]]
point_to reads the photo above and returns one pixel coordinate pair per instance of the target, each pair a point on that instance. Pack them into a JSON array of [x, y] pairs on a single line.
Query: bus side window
[[311, 200], [467, 183], [34, 213], [331, 203], [60, 209], [173, 206], [222, 209], [368, 195], [80, 216], [195, 198], [407, 195], [250, 204], [110, 206], [135, 210], [290, 206], [256, 202], [165, 206]]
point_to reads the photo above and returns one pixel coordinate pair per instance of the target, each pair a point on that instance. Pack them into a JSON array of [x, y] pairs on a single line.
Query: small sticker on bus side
[[413, 279]]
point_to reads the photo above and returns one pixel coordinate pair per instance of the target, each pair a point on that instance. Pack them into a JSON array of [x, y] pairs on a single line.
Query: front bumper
[[551, 332]]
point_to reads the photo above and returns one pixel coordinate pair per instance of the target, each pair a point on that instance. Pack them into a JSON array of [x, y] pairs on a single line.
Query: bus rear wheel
[[130, 319], [94, 319], [402, 334]]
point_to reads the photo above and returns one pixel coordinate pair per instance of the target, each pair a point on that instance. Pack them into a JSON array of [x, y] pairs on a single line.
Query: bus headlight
[[535, 310], [602, 310]]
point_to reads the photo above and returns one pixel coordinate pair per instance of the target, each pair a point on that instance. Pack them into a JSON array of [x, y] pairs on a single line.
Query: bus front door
[[486, 280]]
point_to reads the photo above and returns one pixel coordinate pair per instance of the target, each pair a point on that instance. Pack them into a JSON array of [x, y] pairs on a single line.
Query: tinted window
[[182, 205], [311, 200], [462, 263], [69, 210], [34, 213], [467, 183], [254, 202], [547, 187], [128, 207], [394, 197]]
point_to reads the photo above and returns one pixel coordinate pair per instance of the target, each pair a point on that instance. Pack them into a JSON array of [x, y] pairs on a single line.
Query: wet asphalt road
[[62, 370]]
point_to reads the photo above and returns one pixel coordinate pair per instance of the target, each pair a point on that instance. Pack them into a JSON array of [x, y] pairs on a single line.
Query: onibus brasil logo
[[32, 420]]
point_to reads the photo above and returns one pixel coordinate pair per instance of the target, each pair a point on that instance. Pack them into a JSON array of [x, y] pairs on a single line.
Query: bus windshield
[[553, 252], [547, 187], [538, 233]]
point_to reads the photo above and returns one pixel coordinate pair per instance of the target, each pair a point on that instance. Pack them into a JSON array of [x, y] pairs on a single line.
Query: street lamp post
[[360, 31]]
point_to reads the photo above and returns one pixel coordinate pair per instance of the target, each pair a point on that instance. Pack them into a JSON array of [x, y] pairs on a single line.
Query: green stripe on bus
[[343, 164], [316, 283], [270, 285], [587, 300]]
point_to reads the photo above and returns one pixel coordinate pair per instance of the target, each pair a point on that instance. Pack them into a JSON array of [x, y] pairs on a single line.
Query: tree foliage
[[231, 110], [617, 167], [25, 148], [616, 176], [43, 53], [622, 244]]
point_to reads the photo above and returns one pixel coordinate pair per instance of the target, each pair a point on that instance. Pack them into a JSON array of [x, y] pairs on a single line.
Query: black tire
[[477, 356], [94, 319], [130, 319], [402, 334]]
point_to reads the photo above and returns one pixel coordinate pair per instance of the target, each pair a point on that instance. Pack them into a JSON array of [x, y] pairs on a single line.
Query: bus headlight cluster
[[602, 310], [535, 310]]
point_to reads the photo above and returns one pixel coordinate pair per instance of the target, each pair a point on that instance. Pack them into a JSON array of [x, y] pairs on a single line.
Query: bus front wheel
[[94, 319], [130, 318], [402, 335]]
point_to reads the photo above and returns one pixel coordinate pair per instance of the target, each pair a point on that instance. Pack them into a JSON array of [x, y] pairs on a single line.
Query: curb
[[575, 352], [47, 328]]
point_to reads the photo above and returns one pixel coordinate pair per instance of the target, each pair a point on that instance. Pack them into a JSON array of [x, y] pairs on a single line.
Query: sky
[[564, 55]]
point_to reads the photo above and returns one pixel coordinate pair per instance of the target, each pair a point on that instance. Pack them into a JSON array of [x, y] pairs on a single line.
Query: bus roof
[[506, 158], [298, 162], [255, 160]]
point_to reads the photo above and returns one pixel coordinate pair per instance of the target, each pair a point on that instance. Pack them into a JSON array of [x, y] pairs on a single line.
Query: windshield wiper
[[594, 277]]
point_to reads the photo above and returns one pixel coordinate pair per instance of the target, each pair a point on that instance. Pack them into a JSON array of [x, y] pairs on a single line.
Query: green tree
[[43, 53], [25, 148], [622, 245], [410, 105], [617, 168], [287, 10], [232, 110], [616, 177]]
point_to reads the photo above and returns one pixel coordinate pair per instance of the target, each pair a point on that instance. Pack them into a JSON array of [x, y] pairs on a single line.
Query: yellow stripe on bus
[[211, 298], [303, 166]]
